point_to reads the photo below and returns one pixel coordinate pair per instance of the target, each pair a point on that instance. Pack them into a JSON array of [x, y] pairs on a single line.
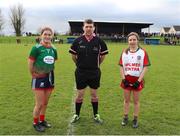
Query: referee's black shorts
[[86, 78]]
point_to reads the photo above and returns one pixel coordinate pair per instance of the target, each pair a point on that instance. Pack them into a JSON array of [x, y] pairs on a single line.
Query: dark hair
[[130, 34], [47, 28], [88, 21]]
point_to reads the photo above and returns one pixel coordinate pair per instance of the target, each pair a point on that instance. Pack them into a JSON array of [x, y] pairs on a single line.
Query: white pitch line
[[70, 129]]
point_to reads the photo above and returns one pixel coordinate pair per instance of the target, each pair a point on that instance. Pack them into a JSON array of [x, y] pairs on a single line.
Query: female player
[[41, 66], [133, 66]]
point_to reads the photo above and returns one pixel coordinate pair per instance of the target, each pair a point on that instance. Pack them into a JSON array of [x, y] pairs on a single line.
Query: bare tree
[[1, 21], [17, 18]]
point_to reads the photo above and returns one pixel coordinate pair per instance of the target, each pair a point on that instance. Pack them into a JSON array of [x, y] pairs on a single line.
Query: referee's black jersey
[[88, 52]]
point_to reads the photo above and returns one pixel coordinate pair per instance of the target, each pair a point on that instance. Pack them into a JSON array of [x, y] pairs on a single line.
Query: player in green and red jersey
[[41, 66]]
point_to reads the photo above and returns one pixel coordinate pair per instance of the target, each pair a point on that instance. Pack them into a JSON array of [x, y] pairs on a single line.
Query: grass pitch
[[159, 113]]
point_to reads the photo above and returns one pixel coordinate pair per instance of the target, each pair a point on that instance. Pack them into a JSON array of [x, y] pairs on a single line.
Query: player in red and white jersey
[[133, 66]]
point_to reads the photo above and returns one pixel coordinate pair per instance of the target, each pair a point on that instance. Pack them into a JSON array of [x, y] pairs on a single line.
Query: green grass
[[27, 39], [159, 100]]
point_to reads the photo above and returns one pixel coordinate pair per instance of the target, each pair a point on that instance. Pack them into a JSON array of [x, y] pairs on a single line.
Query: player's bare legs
[[127, 97], [43, 122], [136, 95], [39, 96]]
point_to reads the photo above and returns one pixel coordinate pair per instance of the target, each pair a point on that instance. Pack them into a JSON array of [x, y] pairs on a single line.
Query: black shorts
[[43, 83], [86, 78]]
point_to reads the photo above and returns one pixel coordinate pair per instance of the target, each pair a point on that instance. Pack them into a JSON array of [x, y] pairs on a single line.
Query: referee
[[88, 52]]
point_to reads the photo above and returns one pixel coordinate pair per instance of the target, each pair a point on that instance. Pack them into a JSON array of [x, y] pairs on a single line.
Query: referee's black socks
[[95, 107], [78, 107]]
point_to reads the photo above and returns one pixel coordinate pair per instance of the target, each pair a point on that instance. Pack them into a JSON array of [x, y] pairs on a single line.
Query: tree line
[[17, 19]]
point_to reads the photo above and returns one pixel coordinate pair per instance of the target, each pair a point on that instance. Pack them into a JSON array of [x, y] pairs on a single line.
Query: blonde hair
[[46, 28], [132, 34], [135, 34]]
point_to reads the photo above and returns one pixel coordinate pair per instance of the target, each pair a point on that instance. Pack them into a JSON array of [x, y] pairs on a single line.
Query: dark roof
[[109, 21], [166, 29], [108, 27], [177, 28]]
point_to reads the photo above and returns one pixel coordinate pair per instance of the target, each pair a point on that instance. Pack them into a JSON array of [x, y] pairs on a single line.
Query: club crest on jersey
[[80, 42], [95, 48], [138, 57]]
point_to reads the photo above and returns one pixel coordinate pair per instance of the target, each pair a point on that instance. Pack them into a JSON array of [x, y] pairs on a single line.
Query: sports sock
[[42, 117], [95, 107], [35, 121], [78, 108]]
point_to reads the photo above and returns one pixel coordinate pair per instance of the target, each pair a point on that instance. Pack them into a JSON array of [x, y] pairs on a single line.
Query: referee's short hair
[[88, 21]]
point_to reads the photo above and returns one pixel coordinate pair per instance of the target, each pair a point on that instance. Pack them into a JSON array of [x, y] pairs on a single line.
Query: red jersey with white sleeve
[[133, 62]]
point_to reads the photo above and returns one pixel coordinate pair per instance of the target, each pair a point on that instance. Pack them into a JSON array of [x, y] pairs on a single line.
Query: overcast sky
[[56, 13]]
